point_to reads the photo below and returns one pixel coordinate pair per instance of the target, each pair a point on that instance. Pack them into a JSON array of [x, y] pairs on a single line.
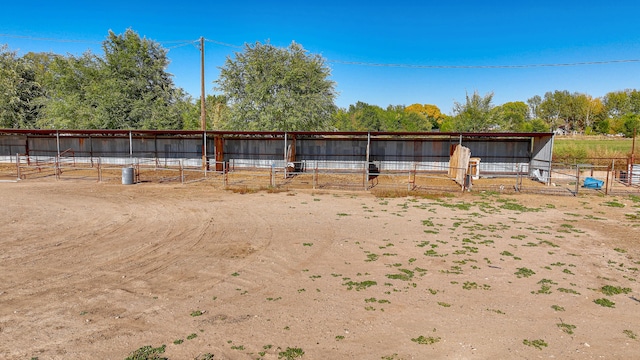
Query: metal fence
[[564, 179]]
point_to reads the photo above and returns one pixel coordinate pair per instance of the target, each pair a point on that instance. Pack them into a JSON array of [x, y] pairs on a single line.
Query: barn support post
[[91, 149], [284, 154], [130, 146], [205, 164], [26, 149], [367, 160], [633, 158]]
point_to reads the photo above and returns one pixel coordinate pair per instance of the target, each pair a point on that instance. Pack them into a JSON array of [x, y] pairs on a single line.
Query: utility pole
[[203, 110]]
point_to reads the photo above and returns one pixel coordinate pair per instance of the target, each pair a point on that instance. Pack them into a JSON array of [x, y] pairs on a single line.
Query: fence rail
[[563, 179]]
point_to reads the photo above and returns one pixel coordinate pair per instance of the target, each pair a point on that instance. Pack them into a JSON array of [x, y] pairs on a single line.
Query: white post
[[205, 166], [367, 158], [285, 155]]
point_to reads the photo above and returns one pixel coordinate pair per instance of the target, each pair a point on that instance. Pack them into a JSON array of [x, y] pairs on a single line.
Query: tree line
[[262, 87]]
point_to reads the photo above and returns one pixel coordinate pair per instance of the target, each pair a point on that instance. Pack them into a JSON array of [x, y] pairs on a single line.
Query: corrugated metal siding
[[12, 145], [254, 149], [498, 155], [331, 150]]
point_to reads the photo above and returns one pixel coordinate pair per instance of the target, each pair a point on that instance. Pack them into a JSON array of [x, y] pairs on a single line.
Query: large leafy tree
[[619, 103], [475, 114], [554, 108], [431, 114], [511, 116], [396, 118], [575, 111], [73, 92], [20, 92], [136, 89], [272, 88]]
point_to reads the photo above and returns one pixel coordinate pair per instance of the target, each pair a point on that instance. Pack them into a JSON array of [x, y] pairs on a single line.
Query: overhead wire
[[223, 44], [24, 37], [181, 43], [521, 66]]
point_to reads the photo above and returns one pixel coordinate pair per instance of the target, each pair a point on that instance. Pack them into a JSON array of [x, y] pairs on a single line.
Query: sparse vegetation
[[291, 353], [538, 344], [610, 290], [524, 272], [359, 285], [426, 340], [567, 328], [148, 353], [604, 302]]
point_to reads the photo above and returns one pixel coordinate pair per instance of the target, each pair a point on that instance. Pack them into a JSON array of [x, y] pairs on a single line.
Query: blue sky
[[414, 34]]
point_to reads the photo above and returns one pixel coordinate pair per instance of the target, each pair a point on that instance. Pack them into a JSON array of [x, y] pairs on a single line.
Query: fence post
[[273, 175], [365, 178], [56, 167], [315, 176], [182, 171], [18, 165], [225, 181], [577, 178], [606, 186]]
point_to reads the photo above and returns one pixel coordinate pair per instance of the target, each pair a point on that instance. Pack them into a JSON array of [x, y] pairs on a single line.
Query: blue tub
[[592, 183]]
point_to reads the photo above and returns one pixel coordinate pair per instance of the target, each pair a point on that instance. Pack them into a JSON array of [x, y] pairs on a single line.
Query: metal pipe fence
[[563, 179]]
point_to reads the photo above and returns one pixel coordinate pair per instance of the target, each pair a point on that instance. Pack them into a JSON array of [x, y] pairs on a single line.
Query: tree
[[534, 106], [72, 85], [19, 91], [475, 114], [630, 123], [534, 125], [367, 117], [554, 107], [397, 118], [431, 114], [136, 90], [511, 116], [271, 88], [617, 103], [217, 113]]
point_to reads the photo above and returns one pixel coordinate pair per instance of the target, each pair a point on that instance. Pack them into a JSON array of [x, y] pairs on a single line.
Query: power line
[[50, 39], [224, 44], [412, 66], [181, 43]]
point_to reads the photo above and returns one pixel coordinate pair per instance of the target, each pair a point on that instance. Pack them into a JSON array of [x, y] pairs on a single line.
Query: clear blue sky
[[410, 33]]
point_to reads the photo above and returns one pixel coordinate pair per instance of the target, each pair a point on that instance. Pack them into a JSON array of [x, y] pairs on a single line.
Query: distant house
[[561, 130]]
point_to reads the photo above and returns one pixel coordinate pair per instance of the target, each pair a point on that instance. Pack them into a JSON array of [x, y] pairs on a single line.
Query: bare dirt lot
[[97, 271]]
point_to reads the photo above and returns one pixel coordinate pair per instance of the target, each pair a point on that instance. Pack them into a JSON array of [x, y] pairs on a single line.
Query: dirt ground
[[97, 271]]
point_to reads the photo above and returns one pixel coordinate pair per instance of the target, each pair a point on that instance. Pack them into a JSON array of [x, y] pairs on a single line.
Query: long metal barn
[[495, 154]]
